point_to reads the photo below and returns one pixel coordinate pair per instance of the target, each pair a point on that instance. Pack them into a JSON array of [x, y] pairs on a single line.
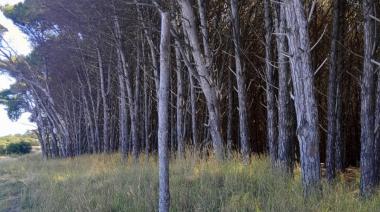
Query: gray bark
[[229, 115], [270, 91], [104, 101], [285, 120], [180, 106], [332, 94], [377, 130], [304, 97], [128, 83], [367, 114], [206, 81], [147, 113], [193, 104], [163, 115], [241, 84], [122, 112]]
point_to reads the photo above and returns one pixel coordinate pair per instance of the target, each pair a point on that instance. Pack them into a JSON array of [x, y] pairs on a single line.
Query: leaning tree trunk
[[304, 97], [270, 91], [206, 81], [105, 104], [332, 95], [241, 84], [285, 135], [163, 115], [367, 113], [126, 72]]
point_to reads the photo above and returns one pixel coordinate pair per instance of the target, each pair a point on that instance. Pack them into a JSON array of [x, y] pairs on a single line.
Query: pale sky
[[19, 42]]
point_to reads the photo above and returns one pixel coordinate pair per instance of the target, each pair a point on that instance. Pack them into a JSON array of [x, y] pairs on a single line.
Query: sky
[[19, 42]]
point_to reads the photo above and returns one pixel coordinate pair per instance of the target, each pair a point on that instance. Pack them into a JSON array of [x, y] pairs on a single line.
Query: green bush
[[19, 148], [2, 149]]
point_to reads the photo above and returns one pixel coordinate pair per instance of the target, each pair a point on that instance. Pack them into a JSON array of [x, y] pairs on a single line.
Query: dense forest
[[297, 80]]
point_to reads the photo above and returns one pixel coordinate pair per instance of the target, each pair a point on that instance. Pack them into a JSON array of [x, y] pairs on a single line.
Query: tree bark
[[304, 97], [241, 84], [206, 81], [229, 115], [367, 114], [270, 91], [163, 115], [127, 77], [180, 106], [285, 120], [377, 131], [332, 95], [105, 104], [193, 105]]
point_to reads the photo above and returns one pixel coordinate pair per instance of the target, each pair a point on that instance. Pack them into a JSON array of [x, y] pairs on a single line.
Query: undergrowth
[[106, 183]]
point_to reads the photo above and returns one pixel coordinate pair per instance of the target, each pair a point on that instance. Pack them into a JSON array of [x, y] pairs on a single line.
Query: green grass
[[104, 183]]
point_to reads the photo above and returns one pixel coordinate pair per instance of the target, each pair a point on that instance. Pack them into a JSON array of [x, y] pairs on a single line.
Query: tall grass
[[105, 183]]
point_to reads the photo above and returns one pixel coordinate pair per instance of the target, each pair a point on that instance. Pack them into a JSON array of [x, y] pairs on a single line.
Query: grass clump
[[105, 183]]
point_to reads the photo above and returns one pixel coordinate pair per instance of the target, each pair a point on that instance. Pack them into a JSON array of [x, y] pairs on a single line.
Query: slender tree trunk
[[163, 115], [122, 112], [304, 97], [137, 103], [193, 105], [285, 135], [131, 102], [147, 113], [332, 94], [339, 143], [105, 105], [271, 101], [229, 115], [241, 84], [180, 105], [377, 131], [367, 114]]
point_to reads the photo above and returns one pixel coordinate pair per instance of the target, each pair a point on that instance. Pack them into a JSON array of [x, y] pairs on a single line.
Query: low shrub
[[19, 148]]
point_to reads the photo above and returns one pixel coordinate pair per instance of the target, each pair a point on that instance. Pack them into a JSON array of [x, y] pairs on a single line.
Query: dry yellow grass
[[105, 183]]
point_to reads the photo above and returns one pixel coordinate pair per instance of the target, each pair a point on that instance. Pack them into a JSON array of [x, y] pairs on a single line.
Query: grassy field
[[104, 183]]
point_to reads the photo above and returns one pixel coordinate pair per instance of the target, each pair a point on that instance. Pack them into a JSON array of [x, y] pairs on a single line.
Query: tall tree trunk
[[127, 77], [229, 115], [241, 84], [163, 115], [180, 105], [206, 81], [304, 97], [285, 135], [193, 105], [147, 113], [332, 94], [122, 112], [377, 130], [271, 101], [137, 104], [367, 114], [105, 104]]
